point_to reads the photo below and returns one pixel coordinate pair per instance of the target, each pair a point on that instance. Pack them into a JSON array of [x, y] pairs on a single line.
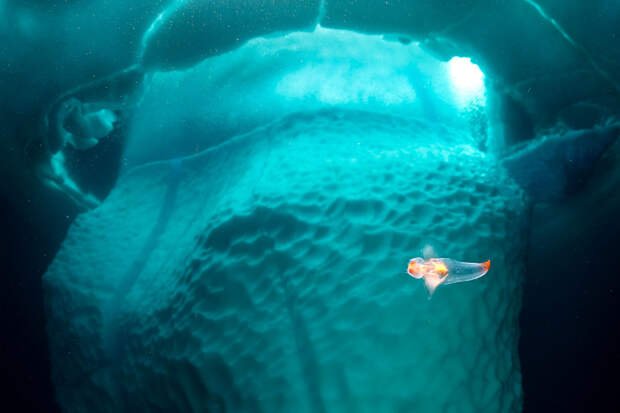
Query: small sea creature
[[438, 271]]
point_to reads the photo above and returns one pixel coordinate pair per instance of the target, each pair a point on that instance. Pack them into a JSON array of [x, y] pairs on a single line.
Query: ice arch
[[268, 78], [577, 90]]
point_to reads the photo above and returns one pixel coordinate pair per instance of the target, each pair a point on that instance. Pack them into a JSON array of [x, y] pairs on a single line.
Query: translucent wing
[[428, 252]]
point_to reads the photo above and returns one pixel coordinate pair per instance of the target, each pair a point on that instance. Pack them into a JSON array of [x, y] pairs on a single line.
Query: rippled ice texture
[[268, 274]]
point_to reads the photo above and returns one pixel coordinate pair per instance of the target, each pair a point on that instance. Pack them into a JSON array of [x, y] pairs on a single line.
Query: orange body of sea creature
[[438, 271]]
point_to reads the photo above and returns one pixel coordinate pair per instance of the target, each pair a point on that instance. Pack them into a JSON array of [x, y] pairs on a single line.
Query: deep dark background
[[569, 344], [27, 247], [570, 320]]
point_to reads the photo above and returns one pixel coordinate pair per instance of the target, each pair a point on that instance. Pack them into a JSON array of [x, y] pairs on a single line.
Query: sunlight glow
[[467, 79], [465, 74]]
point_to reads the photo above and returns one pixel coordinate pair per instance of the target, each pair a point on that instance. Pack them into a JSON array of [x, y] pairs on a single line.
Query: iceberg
[[265, 274]]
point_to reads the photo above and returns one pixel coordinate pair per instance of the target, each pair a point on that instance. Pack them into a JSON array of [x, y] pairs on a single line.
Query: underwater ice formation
[[575, 86], [276, 283], [261, 274], [553, 166], [295, 72], [84, 129], [264, 273]]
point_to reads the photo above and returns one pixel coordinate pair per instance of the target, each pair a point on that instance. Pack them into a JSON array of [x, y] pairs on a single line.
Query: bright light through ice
[[465, 74], [467, 78]]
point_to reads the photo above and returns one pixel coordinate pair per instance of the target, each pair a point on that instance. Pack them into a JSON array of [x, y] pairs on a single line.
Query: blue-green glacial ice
[[274, 276], [252, 255], [267, 271]]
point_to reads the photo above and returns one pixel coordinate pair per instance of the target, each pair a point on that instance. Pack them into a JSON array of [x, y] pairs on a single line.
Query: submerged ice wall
[[268, 274]]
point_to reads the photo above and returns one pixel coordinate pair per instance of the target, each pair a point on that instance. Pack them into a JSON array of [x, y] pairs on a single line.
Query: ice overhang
[[564, 82], [268, 78]]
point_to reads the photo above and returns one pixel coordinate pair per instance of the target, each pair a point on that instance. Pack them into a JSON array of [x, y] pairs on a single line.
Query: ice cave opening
[[186, 111]]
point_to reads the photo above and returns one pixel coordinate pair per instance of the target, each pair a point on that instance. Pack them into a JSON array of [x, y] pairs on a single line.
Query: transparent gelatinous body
[[437, 271]]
